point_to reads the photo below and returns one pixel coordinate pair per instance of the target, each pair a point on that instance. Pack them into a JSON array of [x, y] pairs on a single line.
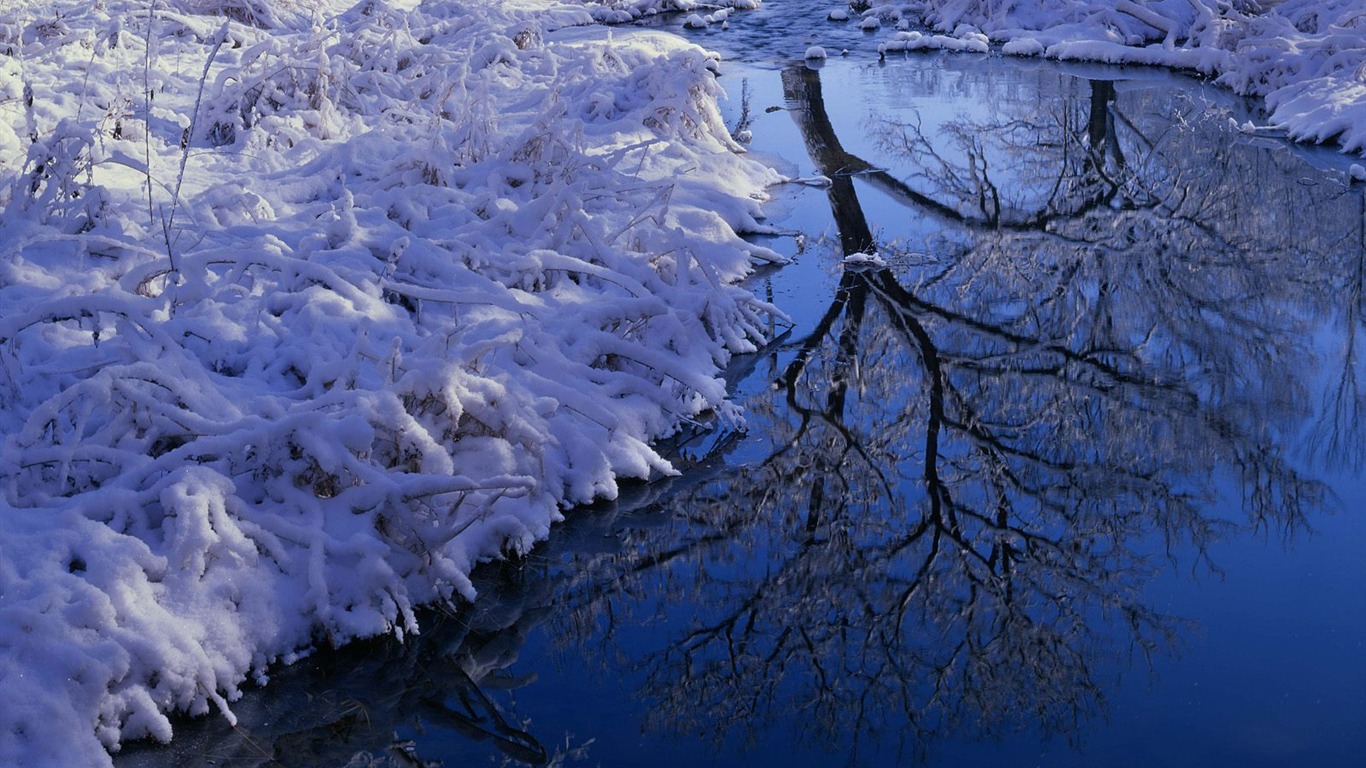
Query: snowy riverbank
[[1306, 58], [408, 281]]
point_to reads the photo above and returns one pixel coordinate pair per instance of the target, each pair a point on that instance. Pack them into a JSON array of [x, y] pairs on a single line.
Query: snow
[[1306, 58], [969, 42], [619, 11], [307, 308], [864, 261], [358, 296]]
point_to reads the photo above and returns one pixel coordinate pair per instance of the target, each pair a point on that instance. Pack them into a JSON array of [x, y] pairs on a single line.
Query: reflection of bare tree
[[973, 457]]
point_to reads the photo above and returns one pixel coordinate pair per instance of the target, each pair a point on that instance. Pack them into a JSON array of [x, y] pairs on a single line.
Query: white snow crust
[[1307, 58], [306, 308]]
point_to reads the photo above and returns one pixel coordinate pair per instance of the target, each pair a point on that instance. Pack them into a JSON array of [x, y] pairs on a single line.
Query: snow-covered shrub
[[56, 182], [279, 369]]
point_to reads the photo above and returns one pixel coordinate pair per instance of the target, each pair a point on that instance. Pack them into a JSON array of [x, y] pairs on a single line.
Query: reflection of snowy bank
[[1306, 57], [406, 282]]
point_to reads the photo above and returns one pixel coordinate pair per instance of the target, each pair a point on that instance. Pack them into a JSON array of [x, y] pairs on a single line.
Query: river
[[1057, 463]]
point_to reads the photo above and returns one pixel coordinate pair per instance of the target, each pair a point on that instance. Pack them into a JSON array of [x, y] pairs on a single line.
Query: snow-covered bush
[[306, 308], [55, 183]]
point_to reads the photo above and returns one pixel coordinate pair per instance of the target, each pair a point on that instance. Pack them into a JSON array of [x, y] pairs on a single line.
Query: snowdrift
[[306, 308]]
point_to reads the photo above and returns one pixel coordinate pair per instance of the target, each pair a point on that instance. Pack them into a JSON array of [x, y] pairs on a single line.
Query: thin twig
[[168, 220]]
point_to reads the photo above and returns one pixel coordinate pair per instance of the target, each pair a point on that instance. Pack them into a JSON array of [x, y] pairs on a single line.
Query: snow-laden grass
[[306, 308], [1307, 58]]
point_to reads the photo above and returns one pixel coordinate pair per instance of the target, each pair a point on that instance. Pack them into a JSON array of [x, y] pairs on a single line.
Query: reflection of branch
[[1068, 363], [478, 718], [1340, 434], [940, 498]]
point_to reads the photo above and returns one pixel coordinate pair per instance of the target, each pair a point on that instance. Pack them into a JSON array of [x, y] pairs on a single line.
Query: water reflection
[[975, 456], [966, 468]]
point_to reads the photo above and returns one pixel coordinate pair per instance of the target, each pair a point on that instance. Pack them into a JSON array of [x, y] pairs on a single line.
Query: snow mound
[[624, 11], [364, 295], [864, 261], [970, 42]]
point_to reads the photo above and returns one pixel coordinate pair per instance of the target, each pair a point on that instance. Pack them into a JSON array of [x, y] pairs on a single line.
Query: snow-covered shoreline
[[1305, 58], [410, 279]]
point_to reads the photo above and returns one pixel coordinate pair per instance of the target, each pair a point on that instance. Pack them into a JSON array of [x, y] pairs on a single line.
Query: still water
[[1067, 473]]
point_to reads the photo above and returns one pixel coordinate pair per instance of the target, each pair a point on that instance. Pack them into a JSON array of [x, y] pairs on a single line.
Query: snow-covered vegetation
[[305, 308], [1307, 58]]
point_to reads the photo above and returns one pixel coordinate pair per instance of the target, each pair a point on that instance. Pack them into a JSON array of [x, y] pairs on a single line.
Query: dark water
[[1068, 476]]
